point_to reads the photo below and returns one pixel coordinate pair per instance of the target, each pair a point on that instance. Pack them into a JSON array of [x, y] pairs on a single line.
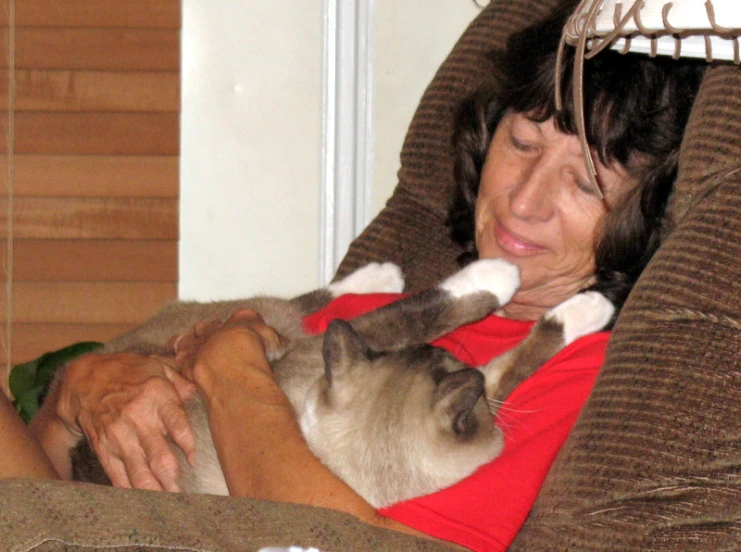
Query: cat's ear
[[343, 349], [456, 396]]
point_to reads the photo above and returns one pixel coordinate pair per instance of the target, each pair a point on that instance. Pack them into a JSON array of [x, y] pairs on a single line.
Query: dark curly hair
[[636, 109]]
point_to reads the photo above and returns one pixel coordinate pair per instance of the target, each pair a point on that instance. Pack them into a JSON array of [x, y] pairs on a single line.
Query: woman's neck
[[520, 311]]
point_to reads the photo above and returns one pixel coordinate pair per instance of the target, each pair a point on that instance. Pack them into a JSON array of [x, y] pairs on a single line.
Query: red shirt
[[484, 511]]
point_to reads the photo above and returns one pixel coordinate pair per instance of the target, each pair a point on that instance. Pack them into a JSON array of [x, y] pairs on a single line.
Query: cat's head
[[411, 421]]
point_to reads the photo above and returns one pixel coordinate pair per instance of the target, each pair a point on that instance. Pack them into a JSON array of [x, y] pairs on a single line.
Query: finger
[[129, 470], [183, 341], [164, 464], [140, 472], [167, 361], [204, 327], [178, 427], [273, 342], [115, 470], [185, 388], [246, 315], [172, 343], [136, 462]]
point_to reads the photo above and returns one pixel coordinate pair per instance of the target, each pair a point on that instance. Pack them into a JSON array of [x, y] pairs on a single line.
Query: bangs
[[530, 90]]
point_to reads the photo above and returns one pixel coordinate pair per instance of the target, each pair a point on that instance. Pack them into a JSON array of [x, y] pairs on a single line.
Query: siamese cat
[[393, 417]]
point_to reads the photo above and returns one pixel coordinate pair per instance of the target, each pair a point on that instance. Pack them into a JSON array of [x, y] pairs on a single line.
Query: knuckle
[[165, 462], [145, 480], [155, 387], [117, 432], [130, 410]]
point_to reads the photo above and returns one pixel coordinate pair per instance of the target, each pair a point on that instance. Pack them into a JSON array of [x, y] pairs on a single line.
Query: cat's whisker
[[500, 406], [505, 427]]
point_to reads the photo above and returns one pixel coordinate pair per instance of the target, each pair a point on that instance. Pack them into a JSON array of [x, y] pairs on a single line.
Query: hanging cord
[[582, 24], [8, 338], [721, 31], [578, 29]]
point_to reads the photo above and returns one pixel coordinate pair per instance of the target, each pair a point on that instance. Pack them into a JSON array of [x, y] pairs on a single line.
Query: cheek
[[582, 231], [492, 194]]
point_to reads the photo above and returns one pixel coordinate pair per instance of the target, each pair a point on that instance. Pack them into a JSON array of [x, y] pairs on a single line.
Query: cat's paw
[[372, 278], [582, 314], [496, 276]]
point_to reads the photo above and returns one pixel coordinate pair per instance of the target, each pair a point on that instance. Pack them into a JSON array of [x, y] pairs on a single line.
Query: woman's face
[[536, 209]]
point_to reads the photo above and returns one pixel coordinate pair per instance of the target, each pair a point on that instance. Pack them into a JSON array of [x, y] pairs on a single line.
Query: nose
[[532, 198]]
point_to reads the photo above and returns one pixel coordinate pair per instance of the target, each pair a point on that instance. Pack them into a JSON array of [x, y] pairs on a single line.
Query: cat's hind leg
[[582, 314], [371, 278]]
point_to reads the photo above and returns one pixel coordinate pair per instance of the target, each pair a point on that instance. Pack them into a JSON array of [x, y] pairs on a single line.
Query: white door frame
[[347, 128]]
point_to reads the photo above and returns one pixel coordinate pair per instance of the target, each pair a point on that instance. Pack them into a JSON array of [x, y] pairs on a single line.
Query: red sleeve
[[485, 511]]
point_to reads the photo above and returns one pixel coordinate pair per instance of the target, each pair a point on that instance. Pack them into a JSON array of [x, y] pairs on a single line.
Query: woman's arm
[[257, 438], [126, 405], [22, 455]]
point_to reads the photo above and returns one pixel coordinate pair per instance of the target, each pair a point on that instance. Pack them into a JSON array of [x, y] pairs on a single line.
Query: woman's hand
[[212, 349], [127, 405]]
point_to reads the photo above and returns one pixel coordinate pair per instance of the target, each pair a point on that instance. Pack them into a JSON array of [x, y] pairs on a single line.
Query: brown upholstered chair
[[654, 462]]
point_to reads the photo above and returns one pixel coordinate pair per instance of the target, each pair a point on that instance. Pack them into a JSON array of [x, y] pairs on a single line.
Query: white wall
[[252, 158], [412, 38]]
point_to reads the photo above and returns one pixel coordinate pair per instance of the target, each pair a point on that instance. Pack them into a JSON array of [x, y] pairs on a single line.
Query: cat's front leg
[[371, 278], [469, 295], [495, 277], [580, 315]]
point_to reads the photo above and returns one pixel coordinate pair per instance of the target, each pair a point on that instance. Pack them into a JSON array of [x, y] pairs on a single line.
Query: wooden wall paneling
[[101, 49], [27, 338], [95, 260], [93, 218], [96, 176], [95, 167], [81, 90], [97, 133], [5, 194], [94, 13], [88, 302]]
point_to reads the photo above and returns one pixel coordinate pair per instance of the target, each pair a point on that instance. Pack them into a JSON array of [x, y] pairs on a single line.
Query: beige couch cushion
[[36, 515]]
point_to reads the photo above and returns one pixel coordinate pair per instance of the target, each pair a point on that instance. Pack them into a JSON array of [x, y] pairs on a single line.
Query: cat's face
[[410, 422]]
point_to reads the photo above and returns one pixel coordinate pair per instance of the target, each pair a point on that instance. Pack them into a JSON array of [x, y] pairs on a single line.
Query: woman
[[524, 196]]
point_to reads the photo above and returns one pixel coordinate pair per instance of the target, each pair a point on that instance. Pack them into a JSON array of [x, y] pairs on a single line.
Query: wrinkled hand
[[127, 405], [201, 352]]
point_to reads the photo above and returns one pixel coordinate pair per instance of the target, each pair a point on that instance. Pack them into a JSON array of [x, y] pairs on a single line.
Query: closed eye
[[584, 186], [519, 145]]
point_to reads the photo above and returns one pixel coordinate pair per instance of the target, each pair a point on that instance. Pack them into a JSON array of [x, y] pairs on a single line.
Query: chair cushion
[[60, 516]]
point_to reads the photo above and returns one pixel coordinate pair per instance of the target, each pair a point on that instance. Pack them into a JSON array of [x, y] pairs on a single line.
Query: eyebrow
[[536, 124]]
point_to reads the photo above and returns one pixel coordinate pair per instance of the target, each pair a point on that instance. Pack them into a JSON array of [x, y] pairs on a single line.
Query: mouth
[[514, 244]]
